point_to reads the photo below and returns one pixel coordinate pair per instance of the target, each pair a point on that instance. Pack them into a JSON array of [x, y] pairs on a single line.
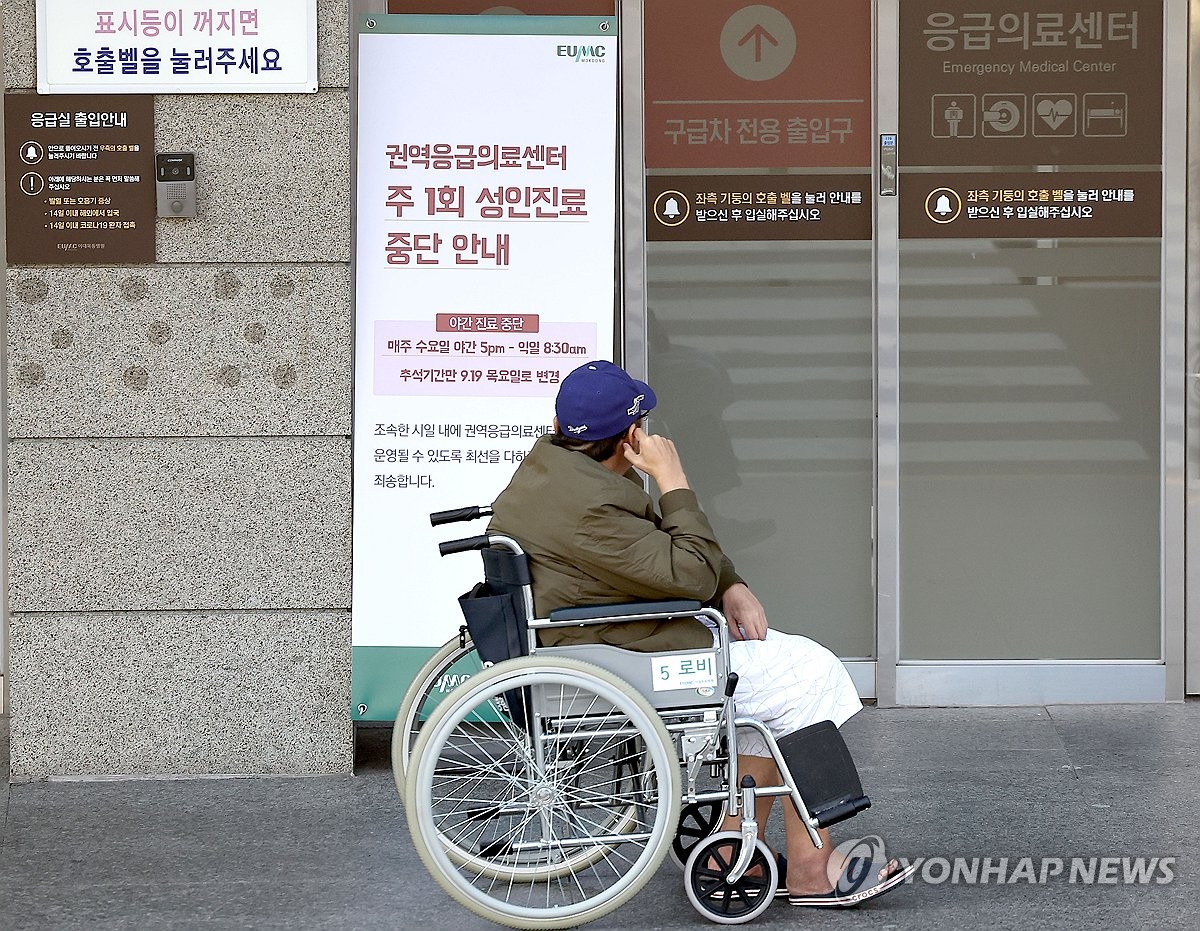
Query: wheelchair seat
[[668, 679]]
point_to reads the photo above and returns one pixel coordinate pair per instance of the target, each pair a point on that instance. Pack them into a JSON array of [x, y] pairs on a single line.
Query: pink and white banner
[[485, 271]]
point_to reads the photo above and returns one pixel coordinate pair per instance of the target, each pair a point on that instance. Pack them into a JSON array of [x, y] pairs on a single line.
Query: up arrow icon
[[758, 42], [758, 34]]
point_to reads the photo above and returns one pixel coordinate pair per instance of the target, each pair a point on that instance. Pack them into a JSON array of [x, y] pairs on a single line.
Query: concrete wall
[[179, 458]]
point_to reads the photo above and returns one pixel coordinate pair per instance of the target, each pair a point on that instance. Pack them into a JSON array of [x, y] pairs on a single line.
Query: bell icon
[[943, 206], [31, 153], [671, 208]]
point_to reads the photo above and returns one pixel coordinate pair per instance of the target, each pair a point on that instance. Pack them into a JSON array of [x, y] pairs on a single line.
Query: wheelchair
[[544, 786]]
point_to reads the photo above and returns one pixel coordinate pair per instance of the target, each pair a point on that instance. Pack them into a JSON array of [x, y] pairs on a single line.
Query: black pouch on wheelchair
[[497, 627], [499, 631], [820, 764]]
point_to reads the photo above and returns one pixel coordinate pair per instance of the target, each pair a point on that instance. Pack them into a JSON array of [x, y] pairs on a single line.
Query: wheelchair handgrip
[[463, 545], [456, 514]]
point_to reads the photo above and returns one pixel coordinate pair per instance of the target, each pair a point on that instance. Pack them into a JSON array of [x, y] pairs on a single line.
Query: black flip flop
[[848, 894]]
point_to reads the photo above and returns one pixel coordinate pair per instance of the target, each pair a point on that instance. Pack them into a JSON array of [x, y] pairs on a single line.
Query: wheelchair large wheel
[[550, 826], [621, 767], [454, 663]]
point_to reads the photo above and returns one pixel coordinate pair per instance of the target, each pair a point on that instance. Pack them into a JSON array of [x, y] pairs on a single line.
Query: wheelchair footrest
[[820, 764]]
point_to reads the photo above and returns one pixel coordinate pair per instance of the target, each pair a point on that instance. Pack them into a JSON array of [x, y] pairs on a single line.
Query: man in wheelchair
[[594, 536]]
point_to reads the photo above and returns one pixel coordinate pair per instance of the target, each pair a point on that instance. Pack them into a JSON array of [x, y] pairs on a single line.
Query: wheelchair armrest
[[595, 612], [840, 810]]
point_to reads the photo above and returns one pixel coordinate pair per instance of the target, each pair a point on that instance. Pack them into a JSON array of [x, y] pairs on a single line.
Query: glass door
[[756, 150], [910, 277], [1034, 523]]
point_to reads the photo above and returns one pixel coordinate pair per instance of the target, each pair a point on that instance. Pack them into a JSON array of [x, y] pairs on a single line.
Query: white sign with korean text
[[485, 271], [684, 671], [176, 46]]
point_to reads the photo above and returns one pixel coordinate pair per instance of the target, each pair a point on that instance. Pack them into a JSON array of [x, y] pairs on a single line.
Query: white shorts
[[788, 682]]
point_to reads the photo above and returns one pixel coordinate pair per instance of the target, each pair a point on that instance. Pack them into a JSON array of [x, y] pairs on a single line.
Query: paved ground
[[333, 853]]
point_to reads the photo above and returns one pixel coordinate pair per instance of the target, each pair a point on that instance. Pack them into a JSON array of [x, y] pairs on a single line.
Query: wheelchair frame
[[695, 735]]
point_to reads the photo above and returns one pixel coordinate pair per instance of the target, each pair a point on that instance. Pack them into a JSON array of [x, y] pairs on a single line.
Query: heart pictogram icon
[[1055, 112]]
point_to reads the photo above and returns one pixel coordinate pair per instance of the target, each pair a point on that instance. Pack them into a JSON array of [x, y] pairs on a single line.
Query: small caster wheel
[[696, 822], [706, 882]]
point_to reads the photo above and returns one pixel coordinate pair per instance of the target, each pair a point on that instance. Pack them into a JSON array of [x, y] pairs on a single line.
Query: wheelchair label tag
[[684, 671]]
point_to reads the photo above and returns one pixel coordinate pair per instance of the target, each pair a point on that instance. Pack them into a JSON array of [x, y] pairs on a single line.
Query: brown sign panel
[[80, 179], [1026, 82], [1029, 205], [720, 208], [732, 85]]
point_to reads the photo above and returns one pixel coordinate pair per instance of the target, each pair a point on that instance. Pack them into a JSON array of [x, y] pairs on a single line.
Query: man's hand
[[657, 457], [745, 614]]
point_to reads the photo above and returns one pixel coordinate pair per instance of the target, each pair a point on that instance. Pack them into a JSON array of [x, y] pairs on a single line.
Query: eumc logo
[[582, 52]]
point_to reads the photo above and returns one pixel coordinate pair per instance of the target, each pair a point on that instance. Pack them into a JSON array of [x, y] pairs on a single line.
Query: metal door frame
[[4, 674], [1191, 644]]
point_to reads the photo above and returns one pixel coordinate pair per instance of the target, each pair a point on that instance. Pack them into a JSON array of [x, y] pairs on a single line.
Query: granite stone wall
[[179, 457]]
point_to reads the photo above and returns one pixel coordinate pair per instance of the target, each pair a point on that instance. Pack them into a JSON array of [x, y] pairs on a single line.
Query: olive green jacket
[[593, 537]]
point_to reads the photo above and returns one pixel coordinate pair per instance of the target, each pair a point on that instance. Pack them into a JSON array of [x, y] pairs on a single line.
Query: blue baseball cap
[[599, 400]]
